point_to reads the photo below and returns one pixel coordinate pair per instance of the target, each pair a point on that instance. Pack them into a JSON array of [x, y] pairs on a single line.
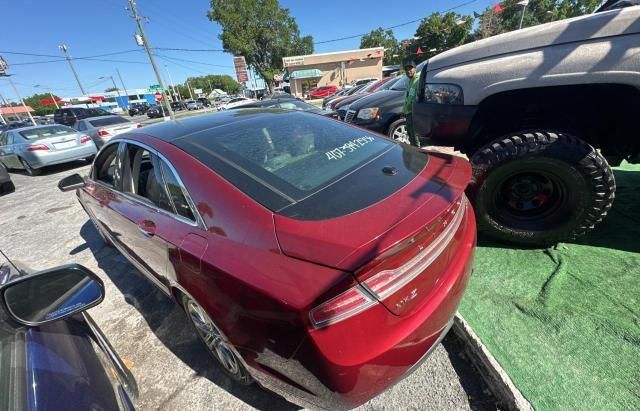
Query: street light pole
[[6, 103], [524, 8], [165, 100], [173, 86], [189, 88], [50, 94], [8, 76], [63, 47], [121, 81]]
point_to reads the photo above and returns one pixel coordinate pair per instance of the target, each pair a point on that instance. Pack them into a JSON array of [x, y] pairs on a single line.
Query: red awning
[[96, 98], [49, 101]]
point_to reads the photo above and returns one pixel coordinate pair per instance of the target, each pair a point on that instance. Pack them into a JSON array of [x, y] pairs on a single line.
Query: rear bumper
[[38, 159], [348, 363], [443, 124]]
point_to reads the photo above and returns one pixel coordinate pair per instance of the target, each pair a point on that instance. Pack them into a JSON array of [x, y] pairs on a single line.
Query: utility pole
[[165, 100], [122, 82], [210, 86], [8, 76], [173, 86], [189, 88], [6, 104], [63, 47], [2, 118]]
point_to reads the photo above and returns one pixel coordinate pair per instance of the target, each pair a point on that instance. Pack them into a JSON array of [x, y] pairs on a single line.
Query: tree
[[111, 89], [440, 32], [40, 110], [381, 38], [507, 17], [261, 31]]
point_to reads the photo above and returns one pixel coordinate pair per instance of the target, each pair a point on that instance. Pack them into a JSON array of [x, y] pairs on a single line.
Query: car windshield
[[355, 89], [296, 157], [109, 121], [388, 84], [44, 132], [94, 112]]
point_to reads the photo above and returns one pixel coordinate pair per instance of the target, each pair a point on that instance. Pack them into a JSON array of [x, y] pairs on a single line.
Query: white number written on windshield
[[348, 147]]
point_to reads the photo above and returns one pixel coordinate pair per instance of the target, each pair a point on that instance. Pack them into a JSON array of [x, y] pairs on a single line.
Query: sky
[[92, 27]]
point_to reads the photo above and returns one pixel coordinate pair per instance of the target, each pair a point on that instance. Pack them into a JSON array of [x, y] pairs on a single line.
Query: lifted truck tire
[[540, 187]]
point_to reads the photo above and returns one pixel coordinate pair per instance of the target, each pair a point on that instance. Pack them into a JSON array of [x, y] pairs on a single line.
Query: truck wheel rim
[[212, 337], [530, 196], [400, 134]]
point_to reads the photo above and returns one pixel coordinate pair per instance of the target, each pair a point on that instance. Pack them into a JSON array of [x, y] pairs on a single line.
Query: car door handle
[[147, 228]]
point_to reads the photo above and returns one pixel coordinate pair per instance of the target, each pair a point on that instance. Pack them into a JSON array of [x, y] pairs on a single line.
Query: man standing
[[409, 98]]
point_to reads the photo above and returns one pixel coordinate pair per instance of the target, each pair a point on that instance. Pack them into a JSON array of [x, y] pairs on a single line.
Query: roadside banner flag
[[498, 8], [419, 51]]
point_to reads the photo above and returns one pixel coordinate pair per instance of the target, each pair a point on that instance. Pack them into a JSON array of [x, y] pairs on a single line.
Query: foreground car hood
[[564, 31], [349, 241]]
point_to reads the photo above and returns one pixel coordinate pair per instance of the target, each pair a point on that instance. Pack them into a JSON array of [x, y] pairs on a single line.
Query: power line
[[196, 62], [171, 27], [183, 49], [168, 59], [397, 25]]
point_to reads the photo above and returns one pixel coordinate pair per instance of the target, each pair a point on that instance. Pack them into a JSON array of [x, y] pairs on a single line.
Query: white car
[[236, 101]]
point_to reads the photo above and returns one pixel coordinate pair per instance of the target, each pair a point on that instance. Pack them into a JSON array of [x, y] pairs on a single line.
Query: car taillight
[[103, 133], [387, 282], [85, 139], [36, 147], [339, 308]]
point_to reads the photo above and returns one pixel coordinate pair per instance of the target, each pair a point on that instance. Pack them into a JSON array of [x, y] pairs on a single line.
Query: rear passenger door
[[8, 151]]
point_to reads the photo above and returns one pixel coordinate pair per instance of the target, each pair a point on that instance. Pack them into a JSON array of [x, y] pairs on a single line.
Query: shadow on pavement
[[168, 322], [48, 170]]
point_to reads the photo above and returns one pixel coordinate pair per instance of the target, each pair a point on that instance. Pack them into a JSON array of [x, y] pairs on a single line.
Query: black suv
[[138, 108], [69, 116], [205, 101]]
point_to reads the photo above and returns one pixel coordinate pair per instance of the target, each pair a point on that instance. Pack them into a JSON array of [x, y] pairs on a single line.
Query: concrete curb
[[499, 383]]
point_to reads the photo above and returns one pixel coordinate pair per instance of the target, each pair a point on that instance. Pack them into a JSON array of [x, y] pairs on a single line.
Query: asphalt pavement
[[43, 227]]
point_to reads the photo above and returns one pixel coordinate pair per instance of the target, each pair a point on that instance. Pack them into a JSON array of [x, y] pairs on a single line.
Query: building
[[113, 100], [332, 69], [14, 113]]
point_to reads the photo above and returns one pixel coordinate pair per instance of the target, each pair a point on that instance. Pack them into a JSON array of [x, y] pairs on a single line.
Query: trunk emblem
[[406, 299]]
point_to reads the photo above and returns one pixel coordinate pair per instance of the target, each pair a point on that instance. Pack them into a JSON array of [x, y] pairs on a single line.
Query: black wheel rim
[[532, 199]]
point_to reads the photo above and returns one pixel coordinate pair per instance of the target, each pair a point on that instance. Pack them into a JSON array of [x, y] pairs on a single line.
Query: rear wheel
[[215, 342], [398, 131], [540, 187], [31, 171], [8, 187]]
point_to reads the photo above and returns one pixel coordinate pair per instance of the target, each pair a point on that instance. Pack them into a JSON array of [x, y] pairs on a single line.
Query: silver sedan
[[31, 148], [104, 128]]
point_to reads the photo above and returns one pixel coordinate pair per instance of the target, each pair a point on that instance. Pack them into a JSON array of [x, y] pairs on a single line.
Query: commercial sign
[[240, 64], [197, 90], [293, 61], [3, 66]]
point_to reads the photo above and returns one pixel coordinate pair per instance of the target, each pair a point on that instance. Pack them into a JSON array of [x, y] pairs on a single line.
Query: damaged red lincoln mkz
[[319, 259]]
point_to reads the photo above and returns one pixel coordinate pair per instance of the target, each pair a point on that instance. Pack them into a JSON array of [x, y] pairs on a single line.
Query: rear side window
[[176, 193], [107, 166], [290, 157], [81, 126], [108, 121], [142, 177]]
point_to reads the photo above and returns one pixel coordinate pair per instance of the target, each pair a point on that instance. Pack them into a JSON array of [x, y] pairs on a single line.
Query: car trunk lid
[[404, 229]]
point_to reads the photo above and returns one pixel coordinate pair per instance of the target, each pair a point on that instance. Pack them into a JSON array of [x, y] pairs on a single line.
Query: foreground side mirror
[[52, 294], [72, 182]]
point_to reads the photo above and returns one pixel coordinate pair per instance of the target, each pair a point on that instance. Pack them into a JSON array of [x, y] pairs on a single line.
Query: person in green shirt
[[409, 98]]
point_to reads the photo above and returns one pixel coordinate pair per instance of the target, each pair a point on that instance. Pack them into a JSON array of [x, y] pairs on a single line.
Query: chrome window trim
[[199, 220]]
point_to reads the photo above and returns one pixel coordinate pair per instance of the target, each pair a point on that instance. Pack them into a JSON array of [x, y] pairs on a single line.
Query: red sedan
[[322, 92], [319, 259]]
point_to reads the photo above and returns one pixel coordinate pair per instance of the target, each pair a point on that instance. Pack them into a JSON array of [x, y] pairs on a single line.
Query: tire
[[398, 131], [31, 171], [89, 160], [215, 342], [8, 187], [540, 187]]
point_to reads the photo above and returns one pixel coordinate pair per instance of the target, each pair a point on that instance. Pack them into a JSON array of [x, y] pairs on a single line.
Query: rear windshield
[[44, 132], [95, 112], [293, 156], [108, 121], [401, 84], [297, 105]]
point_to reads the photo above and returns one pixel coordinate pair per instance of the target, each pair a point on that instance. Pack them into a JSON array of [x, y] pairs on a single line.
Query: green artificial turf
[[565, 322]]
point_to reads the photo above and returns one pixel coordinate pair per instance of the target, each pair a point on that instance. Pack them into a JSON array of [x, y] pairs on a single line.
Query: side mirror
[[52, 294], [71, 182]]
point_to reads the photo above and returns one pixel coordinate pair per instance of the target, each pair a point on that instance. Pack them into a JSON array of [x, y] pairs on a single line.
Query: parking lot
[[43, 227]]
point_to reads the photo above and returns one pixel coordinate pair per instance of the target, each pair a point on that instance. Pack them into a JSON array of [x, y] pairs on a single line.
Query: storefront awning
[[310, 73]]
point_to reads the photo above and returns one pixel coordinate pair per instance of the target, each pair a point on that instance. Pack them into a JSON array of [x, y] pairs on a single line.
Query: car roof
[[101, 117], [176, 129], [35, 127]]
